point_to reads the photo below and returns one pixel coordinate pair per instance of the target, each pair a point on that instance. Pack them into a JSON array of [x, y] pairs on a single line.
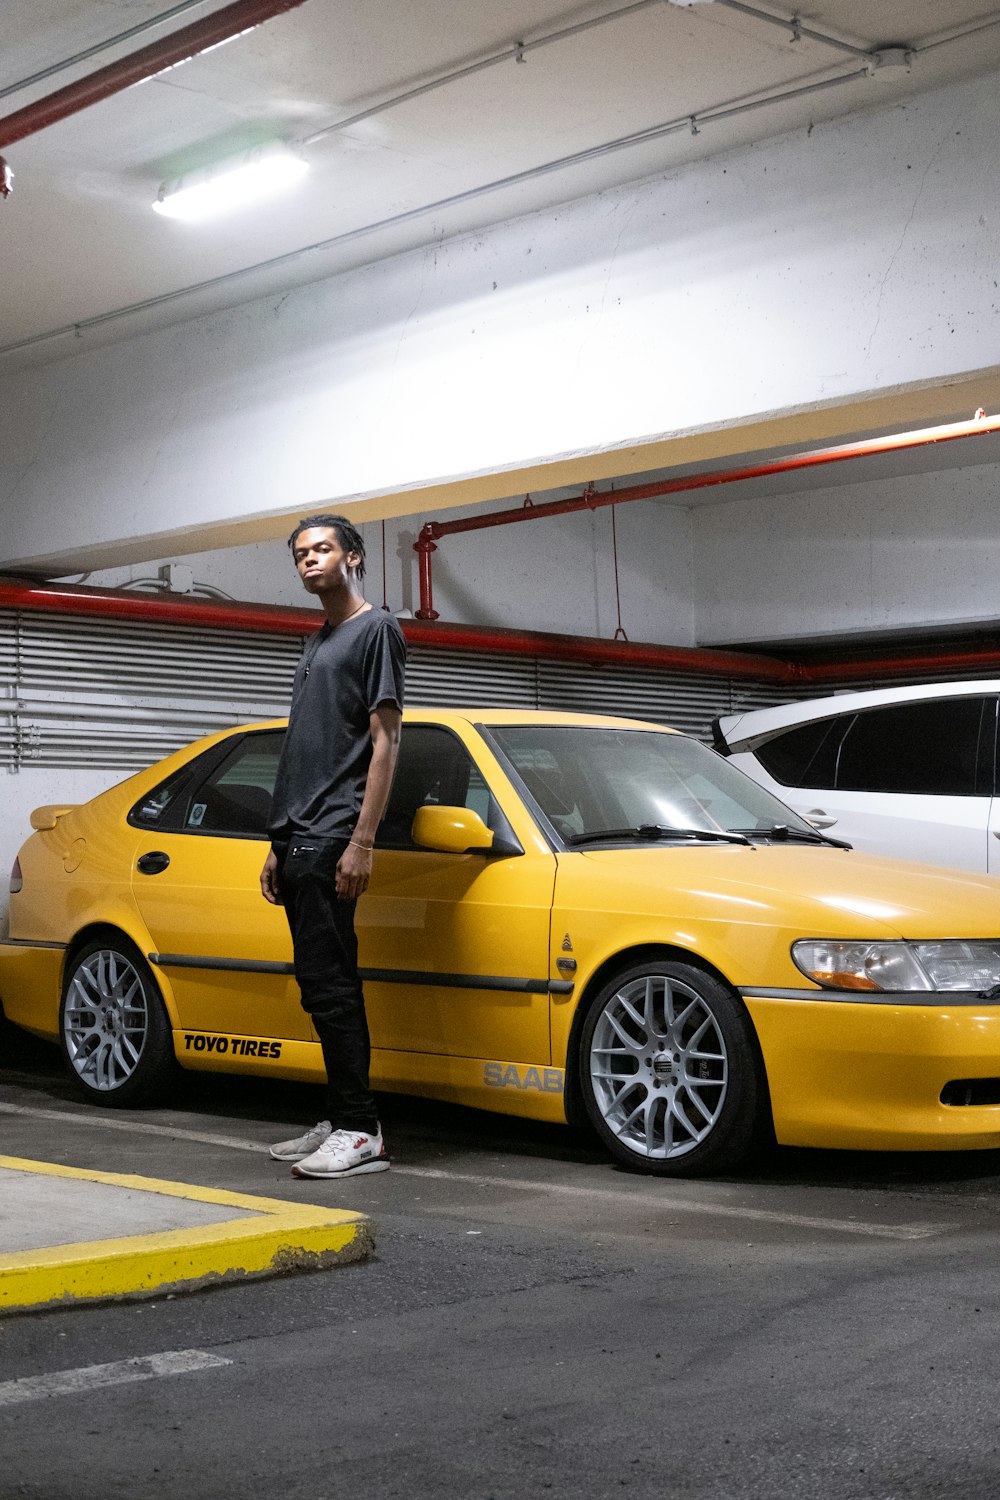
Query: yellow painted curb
[[278, 1236]]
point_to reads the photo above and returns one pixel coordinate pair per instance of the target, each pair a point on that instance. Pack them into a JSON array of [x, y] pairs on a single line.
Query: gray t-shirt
[[344, 673]]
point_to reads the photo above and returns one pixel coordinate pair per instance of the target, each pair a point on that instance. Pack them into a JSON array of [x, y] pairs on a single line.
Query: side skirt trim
[[30, 943], [375, 976]]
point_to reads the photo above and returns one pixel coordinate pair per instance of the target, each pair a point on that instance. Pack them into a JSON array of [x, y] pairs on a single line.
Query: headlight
[[951, 965]]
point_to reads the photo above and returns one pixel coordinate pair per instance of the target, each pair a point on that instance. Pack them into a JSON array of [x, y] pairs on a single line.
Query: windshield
[[636, 782]]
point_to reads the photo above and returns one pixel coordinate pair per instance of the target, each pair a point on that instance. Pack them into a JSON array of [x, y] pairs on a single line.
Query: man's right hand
[[269, 880]]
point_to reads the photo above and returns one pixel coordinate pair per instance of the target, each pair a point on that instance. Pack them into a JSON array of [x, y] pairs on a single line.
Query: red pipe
[[423, 547], [243, 15], [972, 662], [275, 619], [738, 664], [592, 499], [129, 604], [493, 640]]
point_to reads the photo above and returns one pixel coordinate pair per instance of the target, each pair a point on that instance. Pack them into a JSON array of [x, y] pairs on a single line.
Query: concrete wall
[[917, 551], [817, 268]]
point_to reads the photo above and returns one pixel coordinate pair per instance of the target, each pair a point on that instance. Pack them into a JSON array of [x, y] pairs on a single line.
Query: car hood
[[823, 892]]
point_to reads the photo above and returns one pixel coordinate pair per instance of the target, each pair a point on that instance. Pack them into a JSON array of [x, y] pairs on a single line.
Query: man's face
[[321, 561]]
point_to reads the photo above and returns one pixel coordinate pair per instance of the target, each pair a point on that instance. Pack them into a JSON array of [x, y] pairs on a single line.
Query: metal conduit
[[517, 53], [793, 25]]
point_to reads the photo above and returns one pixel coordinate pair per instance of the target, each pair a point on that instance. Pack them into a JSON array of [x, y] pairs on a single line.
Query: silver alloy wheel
[[105, 1020], [659, 1067]]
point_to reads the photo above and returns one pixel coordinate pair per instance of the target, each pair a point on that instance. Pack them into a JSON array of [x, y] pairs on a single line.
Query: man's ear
[[354, 560]]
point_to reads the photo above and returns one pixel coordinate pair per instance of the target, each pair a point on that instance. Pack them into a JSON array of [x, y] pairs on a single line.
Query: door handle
[[153, 863], [819, 818]]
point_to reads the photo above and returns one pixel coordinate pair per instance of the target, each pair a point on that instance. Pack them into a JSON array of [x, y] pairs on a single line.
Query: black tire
[[670, 1071], [113, 1027]]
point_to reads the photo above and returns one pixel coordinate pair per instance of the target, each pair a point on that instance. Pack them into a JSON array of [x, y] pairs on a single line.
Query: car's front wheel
[[669, 1070], [114, 1029]]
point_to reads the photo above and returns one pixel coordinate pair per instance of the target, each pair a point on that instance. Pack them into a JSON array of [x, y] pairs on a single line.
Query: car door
[[454, 948], [196, 882], [910, 780]]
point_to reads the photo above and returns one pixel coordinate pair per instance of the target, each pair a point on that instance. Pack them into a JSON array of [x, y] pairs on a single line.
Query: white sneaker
[[345, 1153], [302, 1145]]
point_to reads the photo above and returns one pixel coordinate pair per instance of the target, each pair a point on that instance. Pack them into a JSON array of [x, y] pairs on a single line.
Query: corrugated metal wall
[[76, 691], [83, 692]]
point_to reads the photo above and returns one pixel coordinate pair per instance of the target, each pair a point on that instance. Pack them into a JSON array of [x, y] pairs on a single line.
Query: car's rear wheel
[[669, 1070], [114, 1029]]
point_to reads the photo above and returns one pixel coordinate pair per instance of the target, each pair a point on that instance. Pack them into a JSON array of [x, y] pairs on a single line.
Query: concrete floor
[[534, 1322]]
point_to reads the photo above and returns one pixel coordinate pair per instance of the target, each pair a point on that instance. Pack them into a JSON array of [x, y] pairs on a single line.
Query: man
[[330, 793]]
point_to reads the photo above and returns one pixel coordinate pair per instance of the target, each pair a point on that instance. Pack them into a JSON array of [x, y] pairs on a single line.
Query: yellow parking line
[[267, 1237]]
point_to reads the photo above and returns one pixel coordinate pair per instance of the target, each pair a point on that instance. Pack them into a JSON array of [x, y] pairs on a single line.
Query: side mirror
[[452, 830]]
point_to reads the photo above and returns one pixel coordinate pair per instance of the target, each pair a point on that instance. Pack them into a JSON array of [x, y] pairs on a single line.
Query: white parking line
[[134, 1127], [122, 1372], [667, 1203], [664, 1202]]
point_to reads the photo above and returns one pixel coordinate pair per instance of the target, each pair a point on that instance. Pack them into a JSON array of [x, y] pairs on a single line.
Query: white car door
[[932, 829]]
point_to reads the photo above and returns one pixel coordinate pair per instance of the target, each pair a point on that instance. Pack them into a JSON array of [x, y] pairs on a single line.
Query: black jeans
[[325, 949]]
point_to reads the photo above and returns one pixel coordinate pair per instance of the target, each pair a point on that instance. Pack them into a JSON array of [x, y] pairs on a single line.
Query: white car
[[905, 771]]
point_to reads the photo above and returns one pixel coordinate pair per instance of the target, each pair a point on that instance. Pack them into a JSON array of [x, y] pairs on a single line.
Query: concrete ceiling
[[81, 245]]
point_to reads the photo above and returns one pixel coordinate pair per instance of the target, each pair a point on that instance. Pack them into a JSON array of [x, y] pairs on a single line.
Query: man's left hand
[[354, 870]]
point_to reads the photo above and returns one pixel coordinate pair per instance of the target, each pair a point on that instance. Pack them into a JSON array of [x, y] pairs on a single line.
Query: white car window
[[927, 749]]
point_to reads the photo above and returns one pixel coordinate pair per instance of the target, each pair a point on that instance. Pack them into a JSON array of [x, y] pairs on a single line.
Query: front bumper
[[868, 1073]]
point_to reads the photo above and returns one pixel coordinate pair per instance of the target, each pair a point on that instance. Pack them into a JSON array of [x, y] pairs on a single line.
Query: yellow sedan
[[571, 917]]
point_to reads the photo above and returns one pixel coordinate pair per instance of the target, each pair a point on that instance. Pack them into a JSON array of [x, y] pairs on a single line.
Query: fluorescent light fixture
[[231, 185]]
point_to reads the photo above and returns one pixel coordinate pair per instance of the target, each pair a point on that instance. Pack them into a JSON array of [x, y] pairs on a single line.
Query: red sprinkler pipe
[[224, 24], [592, 499], [276, 619], [130, 604]]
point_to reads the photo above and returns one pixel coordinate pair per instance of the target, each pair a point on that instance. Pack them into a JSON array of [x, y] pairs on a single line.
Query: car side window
[[932, 748], [226, 790], [235, 799], [434, 769], [806, 756]]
